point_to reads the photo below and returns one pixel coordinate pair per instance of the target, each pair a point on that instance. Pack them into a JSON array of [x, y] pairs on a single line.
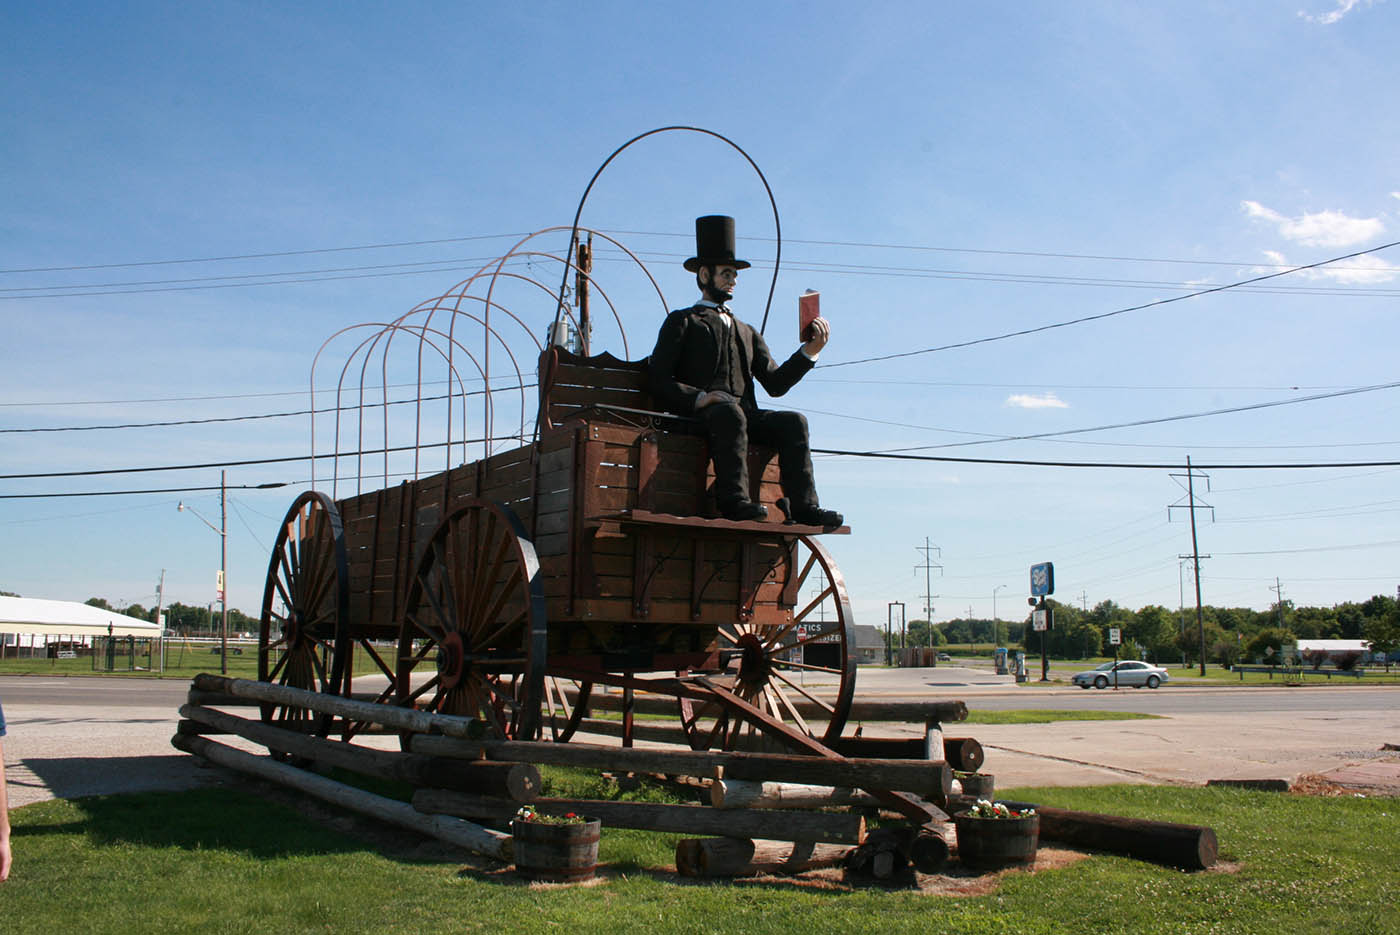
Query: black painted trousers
[[731, 429]]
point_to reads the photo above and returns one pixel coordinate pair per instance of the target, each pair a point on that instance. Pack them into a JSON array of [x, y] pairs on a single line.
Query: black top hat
[[714, 243]]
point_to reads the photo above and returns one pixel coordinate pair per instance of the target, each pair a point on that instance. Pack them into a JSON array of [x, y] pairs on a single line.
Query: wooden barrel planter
[[566, 853], [977, 785], [997, 842]]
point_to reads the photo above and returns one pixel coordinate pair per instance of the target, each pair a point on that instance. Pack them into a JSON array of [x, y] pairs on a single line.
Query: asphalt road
[[979, 688], [70, 737]]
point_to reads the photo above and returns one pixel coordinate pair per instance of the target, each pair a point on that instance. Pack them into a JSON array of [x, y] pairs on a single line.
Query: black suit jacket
[[687, 357]]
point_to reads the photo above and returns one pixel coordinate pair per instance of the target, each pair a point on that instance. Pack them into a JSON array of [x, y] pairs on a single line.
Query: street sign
[[1042, 579], [1115, 636], [1038, 620]]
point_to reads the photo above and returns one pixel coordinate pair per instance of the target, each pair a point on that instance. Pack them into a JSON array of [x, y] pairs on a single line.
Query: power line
[[293, 277], [1159, 420], [251, 461], [261, 416], [937, 249], [1122, 311], [893, 456], [118, 493], [256, 256]]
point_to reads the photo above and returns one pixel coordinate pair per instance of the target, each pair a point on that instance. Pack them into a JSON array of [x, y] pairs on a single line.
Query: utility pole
[[928, 566], [1195, 545], [160, 606], [1278, 589], [585, 322], [223, 569], [1084, 601]]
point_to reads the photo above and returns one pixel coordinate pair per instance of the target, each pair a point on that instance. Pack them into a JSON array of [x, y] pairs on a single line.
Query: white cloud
[[1343, 8], [1357, 271], [1044, 401], [1321, 229]]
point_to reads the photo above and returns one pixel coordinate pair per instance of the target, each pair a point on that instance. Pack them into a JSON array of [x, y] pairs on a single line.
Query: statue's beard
[[716, 294]]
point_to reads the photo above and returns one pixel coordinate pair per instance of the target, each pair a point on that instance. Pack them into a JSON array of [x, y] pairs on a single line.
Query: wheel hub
[[451, 660], [755, 667], [292, 629]]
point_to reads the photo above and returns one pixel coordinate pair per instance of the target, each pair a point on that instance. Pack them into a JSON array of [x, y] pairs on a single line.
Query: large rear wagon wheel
[[472, 634], [301, 637], [801, 673]]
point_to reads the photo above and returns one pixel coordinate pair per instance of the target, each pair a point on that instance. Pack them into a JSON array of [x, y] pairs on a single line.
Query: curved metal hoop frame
[[777, 223]]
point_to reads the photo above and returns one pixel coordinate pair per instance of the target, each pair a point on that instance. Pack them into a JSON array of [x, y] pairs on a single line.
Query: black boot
[[816, 516], [744, 510]]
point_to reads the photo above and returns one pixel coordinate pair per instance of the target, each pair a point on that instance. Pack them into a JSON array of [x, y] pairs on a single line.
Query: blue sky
[[943, 173]]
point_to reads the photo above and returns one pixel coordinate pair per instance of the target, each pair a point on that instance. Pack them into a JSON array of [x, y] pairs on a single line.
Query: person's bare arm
[[4, 820]]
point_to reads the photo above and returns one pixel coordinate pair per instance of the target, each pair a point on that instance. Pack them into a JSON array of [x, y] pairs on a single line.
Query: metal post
[[996, 625], [223, 569], [1196, 557]]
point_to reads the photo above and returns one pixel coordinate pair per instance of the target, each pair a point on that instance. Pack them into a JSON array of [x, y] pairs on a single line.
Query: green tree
[[1156, 628], [1266, 646], [1383, 634]]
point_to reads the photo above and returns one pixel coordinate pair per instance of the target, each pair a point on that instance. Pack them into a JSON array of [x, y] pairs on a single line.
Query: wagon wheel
[[472, 634], [778, 668], [565, 706], [301, 638]]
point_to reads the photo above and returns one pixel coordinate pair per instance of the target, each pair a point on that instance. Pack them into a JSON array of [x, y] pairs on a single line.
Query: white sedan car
[[1130, 674]]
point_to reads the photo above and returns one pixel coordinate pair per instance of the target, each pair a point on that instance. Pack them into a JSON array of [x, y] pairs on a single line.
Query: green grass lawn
[[226, 860]]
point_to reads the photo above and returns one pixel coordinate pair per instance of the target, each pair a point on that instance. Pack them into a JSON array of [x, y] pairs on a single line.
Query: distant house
[[62, 626], [1340, 653], [870, 644]]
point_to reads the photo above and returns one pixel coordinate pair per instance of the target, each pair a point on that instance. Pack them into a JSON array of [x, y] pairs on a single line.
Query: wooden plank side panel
[[567, 375]]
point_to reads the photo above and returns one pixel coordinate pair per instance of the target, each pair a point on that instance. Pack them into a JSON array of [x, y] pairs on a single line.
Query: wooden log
[[454, 831], [518, 781], [891, 748], [211, 699], [963, 753], [933, 741], [928, 852], [648, 816], [390, 715], [742, 793], [927, 779], [1190, 847], [910, 712], [743, 857], [657, 731]]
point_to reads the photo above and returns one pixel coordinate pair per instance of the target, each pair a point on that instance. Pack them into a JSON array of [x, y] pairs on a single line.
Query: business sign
[[1042, 579], [813, 633], [1039, 619], [1115, 636]]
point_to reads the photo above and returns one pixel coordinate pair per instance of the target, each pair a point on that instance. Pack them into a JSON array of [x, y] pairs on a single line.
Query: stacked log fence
[[758, 812]]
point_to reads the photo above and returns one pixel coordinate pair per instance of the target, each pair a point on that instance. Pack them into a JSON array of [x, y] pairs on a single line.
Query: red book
[[808, 311]]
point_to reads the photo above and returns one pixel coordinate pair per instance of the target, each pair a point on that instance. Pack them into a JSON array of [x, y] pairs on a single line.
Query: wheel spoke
[[418, 693], [816, 602], [830, 709], [506, 593], [486, 582], [808, 667]]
